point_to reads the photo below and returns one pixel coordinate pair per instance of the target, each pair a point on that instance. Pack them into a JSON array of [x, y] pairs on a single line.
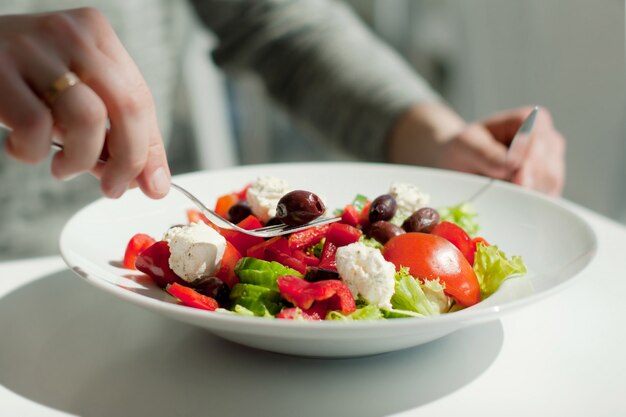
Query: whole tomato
[[430, 257]]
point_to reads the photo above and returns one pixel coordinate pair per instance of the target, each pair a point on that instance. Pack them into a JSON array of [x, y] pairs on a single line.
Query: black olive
[[314, 273], [423, 220], [382, 208], [299, 207], [239, 211], [215, 288], [274, 221], [382, 231]]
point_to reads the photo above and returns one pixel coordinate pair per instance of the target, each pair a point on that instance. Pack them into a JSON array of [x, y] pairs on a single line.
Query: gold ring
[[61, 84]]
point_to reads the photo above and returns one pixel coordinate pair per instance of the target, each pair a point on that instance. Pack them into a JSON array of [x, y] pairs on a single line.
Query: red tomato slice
[[430, 256], [458, 237]]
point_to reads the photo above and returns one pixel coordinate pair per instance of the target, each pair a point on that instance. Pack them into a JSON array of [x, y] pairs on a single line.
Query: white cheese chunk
[[408, 198], [366, 272], [196, 251], [263, 195]]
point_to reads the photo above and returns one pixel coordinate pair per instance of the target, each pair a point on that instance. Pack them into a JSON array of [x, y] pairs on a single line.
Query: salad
[[390, 257]]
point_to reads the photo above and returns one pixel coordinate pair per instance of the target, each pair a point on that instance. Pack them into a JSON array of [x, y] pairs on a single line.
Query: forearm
[[322, 64]]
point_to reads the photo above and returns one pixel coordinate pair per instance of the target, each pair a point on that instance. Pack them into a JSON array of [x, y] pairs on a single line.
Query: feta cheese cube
[[408, 198], [263, 195], [196, 251], [366, 272]]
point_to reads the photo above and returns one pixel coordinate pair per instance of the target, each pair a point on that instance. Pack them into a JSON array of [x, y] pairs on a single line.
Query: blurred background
[[480, 55], [484, 56]]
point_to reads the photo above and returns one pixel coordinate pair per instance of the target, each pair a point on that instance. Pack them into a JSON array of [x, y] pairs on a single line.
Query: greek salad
[[393, 256]]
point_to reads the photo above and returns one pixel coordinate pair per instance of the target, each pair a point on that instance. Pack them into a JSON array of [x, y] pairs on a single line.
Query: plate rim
[[461, 318]]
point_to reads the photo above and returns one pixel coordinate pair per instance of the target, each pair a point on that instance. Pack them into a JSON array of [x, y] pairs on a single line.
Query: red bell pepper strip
[[240, 240], [309, 260], [136, 245], [308, 237], [226, 271], [192, 298], [273, 254], [327, 261], [342, 234], [258, 250], [224, 203], [333, 294], [154, 262]]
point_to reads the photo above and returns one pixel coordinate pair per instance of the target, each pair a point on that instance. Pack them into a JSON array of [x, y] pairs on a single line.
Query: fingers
[[544, 166], [504, 125], [82, 117], [29, 119], [134, 143], [476, 151], [41, 48]]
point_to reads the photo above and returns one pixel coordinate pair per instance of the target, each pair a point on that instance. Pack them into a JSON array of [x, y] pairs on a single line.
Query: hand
[[433, 135], [35, 51]]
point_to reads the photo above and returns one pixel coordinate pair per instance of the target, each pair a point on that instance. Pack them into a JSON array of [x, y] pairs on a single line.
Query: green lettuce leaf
[[359, 202], [372, 243], [463, 215], [316, 250], [399, 314], [260, 272], [410, 296], [369, 312], [492, 267]]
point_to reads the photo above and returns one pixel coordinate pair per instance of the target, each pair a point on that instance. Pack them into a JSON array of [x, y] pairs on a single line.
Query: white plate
[[555, 243]]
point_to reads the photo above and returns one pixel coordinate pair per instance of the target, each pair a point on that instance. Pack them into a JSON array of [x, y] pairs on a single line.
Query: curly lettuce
[[492, 267], [426, 299]]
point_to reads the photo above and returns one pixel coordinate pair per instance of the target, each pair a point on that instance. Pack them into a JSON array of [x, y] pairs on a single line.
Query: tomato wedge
[[458, 237], [430, 257]]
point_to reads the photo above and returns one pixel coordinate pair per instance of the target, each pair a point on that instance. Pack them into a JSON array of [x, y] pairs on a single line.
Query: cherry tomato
[[429, 257]]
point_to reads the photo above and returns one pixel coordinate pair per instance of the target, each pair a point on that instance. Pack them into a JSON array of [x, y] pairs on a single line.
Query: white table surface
[[68, 349]]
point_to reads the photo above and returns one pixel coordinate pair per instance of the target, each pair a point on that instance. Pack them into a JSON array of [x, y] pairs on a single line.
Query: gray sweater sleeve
[[318, 60]]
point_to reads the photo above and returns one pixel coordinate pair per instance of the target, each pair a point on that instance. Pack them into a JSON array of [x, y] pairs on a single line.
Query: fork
[[264, 232], [516, 154]]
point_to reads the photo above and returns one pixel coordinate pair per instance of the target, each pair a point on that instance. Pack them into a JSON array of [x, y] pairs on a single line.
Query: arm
[[317, 59]]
